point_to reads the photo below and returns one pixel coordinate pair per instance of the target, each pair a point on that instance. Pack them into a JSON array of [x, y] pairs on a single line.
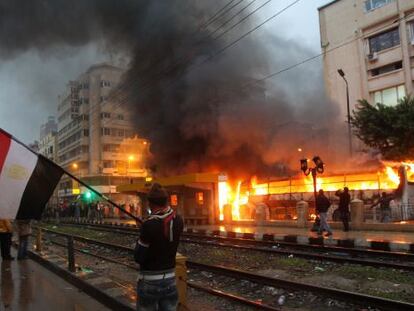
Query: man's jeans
[[23, 243], [160, 295], [324, 223], [385, 215]]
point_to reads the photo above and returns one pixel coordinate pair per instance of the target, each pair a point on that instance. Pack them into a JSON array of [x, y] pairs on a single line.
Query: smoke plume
[[201, 110]]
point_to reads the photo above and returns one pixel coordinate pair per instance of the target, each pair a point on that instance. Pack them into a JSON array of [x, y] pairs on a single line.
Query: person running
[[385, 209], [344, 200], [322, 206], [155, 252]]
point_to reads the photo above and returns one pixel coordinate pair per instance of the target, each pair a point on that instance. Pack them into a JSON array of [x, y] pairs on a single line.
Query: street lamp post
[[319, 168], [342, 74], [130, 158]]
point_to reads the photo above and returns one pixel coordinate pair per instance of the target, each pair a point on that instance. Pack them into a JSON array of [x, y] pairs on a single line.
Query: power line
[[243, 19], [229, 20], [237, 40], [327, 51], [240, 38], [250, 31], [187, 60]]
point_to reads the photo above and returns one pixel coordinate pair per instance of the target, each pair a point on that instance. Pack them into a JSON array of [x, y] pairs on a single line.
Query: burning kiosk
[[210, 198]]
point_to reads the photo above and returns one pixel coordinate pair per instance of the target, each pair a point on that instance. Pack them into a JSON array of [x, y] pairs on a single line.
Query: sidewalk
[[27, 286]]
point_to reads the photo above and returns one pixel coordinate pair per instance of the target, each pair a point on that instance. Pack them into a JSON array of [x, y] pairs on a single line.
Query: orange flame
[[387, 179]]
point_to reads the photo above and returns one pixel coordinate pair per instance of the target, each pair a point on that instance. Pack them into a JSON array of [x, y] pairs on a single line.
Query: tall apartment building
[[48, 139], [96, 141], [50, 126], [372, 41]]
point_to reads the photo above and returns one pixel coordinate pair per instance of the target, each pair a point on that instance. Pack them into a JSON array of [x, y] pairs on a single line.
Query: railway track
[[239, 275], [373, 258]]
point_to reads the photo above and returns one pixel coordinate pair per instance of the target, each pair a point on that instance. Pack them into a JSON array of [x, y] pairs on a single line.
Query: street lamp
[[319, 168], [342, 74]]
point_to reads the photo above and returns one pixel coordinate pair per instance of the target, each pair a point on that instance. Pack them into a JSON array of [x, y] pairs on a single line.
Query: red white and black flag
[[27, 180]]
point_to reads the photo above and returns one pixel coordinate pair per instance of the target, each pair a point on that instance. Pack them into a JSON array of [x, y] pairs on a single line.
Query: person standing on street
[[385, 209], [322, 206], [24, 230], [155, 252], [6, 232], [344, 200]]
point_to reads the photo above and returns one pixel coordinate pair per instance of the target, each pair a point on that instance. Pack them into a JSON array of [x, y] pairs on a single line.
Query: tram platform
[[27, 286]]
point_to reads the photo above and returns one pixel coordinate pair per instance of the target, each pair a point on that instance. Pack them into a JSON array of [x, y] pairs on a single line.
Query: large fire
[[235, 194]]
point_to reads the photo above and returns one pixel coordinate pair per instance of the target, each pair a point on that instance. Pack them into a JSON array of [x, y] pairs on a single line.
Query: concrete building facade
[[372, 41], [48, 139], [96, 140]]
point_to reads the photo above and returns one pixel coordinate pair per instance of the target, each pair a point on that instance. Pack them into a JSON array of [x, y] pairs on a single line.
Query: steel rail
[[342, 295], [357, 251], [298, 253], [222, 294]]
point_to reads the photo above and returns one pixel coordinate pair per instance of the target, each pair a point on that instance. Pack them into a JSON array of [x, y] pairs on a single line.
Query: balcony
[[385, 57], [386, 80]]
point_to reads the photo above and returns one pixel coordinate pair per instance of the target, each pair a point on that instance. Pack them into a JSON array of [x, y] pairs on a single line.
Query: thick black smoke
[[201, 112]]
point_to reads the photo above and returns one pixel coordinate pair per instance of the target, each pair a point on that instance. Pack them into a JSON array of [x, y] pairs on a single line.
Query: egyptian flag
[[27, 180]]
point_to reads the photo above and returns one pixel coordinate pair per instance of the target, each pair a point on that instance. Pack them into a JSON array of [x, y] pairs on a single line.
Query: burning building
[[209, 198]]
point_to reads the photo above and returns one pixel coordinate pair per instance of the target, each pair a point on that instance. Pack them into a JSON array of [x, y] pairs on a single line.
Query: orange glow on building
[[237, 193]]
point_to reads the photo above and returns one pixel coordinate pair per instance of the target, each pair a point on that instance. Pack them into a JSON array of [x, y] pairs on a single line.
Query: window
[[105, 115], [387, 68], [411, 31], [120, 117], [384, 40], [105, 83], [390, 96], [108, 164], [375, 4], [120, 132], [105, 131], [85, 132], [103, 98], [200, 198], [174, 200]]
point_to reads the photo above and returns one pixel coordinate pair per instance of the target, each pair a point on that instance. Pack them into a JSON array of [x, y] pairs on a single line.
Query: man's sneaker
[[328, 234]]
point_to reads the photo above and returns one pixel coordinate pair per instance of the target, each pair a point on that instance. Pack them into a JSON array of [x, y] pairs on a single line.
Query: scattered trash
[[281, 300], [86, 270], [319, 269], [290, 256], [54, 227]]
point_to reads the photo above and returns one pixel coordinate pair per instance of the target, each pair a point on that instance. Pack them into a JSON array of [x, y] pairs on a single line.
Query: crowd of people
[[94, 210], [323, 204]]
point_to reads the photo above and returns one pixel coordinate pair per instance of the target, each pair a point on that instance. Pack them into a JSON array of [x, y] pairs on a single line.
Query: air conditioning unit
[[372, 56]]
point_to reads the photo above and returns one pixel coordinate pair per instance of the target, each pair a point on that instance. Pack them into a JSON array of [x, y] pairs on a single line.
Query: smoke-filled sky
[[31, 79], [43, 44]]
